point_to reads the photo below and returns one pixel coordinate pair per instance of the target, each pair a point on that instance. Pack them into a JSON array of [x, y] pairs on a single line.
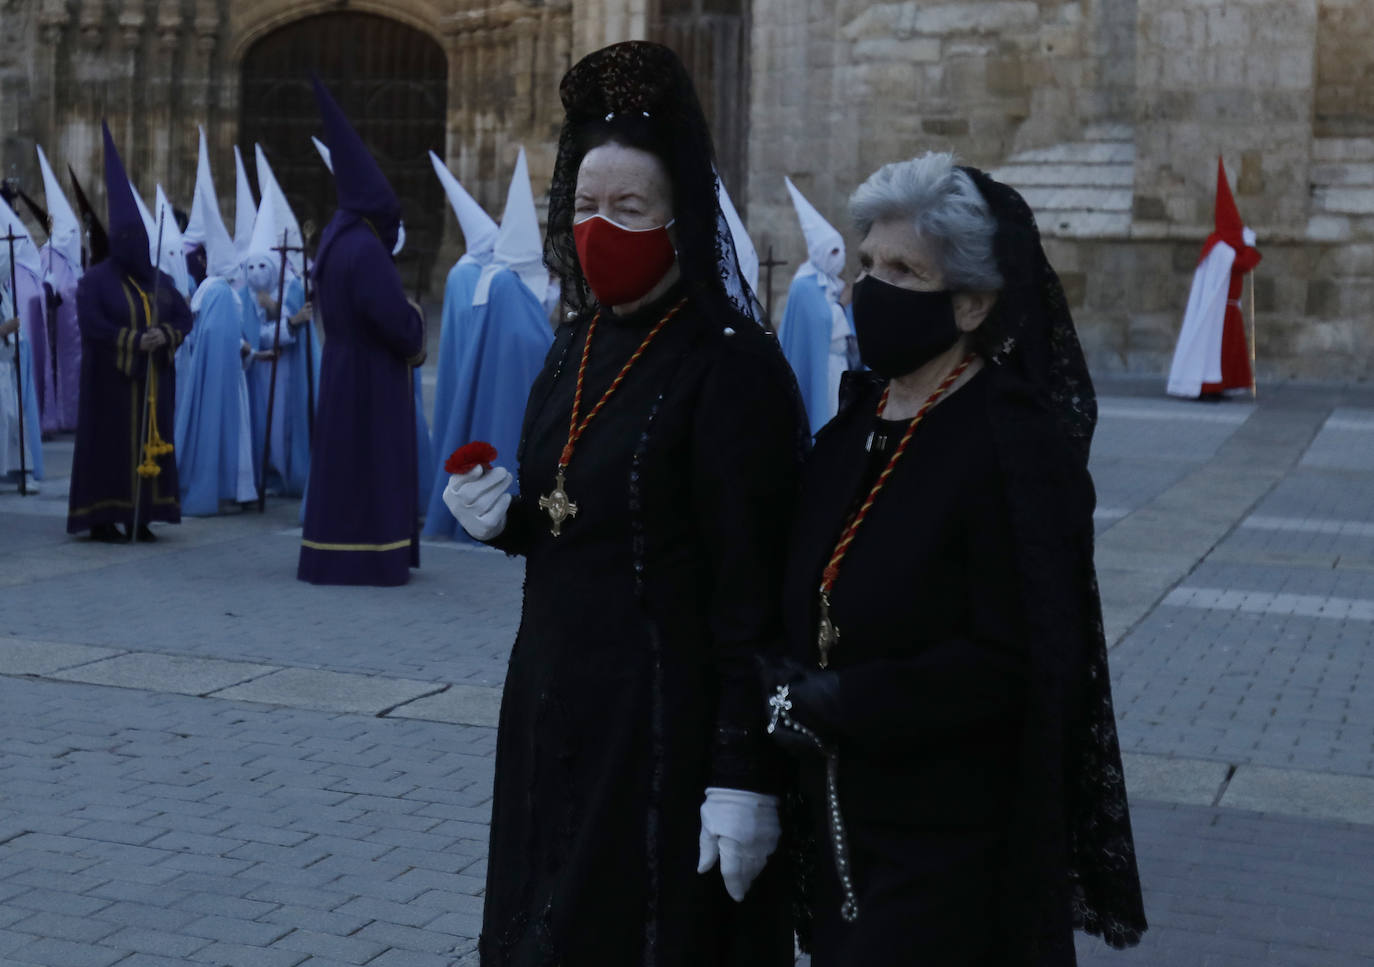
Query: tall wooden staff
[[1254, 333], [10, 239], [309, 229], [282, 249], [768, 265], [148, 378]]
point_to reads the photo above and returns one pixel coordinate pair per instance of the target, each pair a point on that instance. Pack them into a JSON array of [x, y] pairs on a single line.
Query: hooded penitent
[[27, 306], [424, 448], [275, 217], [519, 246], [221, 259], [64, 233], [361, 512], [814, 332], [57, 347], [1213, 353], [289, 460], [479, 229], [173, 257], [118, 302], [452, 389], [214, 437], [500, 340], [127, 231]]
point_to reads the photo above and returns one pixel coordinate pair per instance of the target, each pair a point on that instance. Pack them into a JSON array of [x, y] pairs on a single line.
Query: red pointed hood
[[1229, 227]]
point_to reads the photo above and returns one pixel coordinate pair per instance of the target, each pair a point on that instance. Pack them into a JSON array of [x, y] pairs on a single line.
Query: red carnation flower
[[470, 455]]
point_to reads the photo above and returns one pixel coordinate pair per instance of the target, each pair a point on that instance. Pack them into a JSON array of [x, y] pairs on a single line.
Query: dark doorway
[[391, 79], [712, 38]]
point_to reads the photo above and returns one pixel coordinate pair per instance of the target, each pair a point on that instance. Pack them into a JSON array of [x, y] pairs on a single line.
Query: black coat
[[631, 685]]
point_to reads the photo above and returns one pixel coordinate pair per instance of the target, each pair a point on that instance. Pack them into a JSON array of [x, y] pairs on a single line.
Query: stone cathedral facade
[[1109, 115]]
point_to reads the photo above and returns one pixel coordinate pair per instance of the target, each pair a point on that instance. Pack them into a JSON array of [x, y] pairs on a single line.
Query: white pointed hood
[[149, 222], [195, 226], [245, 208], [519, 244], [325, 156], [25, 251], [221, 258], [65, 235], [744, 246], [173, 259], [274, 217], [824, 243], [479, 229]]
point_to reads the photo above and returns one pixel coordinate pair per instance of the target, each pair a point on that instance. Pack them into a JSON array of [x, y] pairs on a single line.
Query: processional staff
[[768, 265], [10, 239], [282, 250], [152, 445]]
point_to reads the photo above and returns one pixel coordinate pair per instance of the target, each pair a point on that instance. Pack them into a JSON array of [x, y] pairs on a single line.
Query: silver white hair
[[946, 209]]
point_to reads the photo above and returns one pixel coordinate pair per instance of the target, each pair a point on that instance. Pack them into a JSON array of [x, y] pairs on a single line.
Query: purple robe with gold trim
[[361, 508], [113, 311]]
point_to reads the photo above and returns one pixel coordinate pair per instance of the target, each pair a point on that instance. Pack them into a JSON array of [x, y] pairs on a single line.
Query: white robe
[[1197, 357]]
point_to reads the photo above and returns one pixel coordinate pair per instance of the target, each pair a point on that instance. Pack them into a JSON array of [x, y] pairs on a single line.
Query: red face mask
[[620, 264]]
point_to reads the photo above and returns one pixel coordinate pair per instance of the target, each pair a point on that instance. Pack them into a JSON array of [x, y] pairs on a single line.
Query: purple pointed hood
[[129, 242], [363, 189]]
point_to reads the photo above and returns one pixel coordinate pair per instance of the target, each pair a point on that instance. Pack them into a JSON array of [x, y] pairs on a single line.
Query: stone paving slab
[[1189, 782], [328, 691], [19, 656], [166, 673], [462, 704], [1320, 796]]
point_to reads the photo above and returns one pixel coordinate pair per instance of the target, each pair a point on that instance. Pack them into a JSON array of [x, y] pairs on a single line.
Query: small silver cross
[[781, 705]]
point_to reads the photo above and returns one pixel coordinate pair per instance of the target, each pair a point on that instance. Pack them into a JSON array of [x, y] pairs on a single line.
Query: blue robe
[[31, 307], [805, 339], [361, 510], [212, 415], [424, 446], [504, 351], [454, 337], [289, 464]]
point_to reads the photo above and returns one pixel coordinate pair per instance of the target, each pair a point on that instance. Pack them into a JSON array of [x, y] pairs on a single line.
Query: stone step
[[1343, 200], [1078, 199], [1109, 132], [1067, 175], [1343, 149], [1081, 152], [1083, 224], [1357, 174]]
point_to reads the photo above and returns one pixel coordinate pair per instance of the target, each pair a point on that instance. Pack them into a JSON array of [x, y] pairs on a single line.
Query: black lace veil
[[1075, 842], [639, 94]]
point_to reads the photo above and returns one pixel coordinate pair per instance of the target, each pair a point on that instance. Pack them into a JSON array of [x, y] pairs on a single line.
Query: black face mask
[[900, 329]]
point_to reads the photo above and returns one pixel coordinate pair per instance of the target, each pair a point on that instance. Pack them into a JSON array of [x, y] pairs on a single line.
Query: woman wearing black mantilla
[[658, 468], [948, 701]]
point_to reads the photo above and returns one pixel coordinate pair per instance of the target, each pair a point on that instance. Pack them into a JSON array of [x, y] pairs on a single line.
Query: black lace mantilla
[[640, 93], [1038, 365]]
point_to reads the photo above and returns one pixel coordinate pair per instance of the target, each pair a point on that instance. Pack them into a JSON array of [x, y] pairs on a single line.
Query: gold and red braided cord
[[832, 570]]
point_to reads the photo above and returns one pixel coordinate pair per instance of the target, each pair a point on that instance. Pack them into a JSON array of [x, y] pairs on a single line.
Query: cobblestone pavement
[[206, 762]]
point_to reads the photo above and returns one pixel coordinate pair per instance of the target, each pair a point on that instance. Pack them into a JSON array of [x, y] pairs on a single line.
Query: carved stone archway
[[392, 80]]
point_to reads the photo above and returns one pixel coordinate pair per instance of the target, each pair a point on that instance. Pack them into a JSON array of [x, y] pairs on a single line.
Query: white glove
[[479, 500], [742, 829]]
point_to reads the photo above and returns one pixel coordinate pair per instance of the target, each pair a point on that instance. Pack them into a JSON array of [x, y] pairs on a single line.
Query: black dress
[[632, 685], [931, 665]]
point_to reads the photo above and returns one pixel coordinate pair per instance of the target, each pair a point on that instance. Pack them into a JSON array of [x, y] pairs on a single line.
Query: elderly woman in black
[[949, 701], [635, 797]]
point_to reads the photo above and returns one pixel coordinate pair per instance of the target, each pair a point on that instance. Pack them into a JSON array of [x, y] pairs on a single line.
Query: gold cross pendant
[[826, 634], [557, 505]]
